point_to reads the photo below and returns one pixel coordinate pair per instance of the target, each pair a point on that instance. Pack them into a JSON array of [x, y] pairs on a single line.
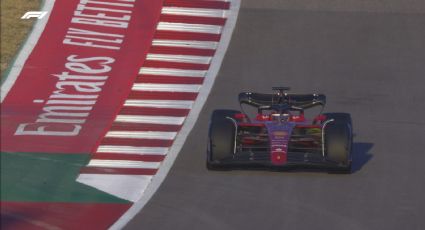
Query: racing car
[[279, 135]]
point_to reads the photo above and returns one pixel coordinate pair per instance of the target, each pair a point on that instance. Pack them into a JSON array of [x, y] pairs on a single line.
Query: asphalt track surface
[[368, 57]]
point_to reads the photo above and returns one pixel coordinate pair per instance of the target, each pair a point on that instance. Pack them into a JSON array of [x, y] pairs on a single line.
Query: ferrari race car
[[280, 136]]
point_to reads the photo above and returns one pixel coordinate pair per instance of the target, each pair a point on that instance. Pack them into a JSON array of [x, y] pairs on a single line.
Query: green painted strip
[[41, 177]]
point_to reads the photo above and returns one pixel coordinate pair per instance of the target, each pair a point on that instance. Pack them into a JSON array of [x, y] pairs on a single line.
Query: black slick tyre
[[338, 141], [221, 141]]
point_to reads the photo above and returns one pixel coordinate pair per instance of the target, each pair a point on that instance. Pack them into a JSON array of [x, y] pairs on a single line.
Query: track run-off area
[[368, 58], [98, 104]]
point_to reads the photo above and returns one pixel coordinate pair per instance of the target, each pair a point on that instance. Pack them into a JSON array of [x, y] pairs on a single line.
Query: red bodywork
[[277, 135]]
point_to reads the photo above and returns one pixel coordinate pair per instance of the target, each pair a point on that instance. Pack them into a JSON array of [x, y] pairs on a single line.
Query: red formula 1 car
[[280, 135]]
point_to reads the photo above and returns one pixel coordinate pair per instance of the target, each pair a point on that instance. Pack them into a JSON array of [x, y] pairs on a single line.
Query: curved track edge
[[191, 119]]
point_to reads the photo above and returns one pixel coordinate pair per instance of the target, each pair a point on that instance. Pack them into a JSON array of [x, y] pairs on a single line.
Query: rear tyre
[[338, 141], [339, 117], [221, 139]]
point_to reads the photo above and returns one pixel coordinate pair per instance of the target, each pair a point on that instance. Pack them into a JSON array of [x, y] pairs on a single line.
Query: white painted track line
[[123, 164], [188, 27], [169, 104], [179, 58], [185, 43], [142, 135], [188, 88], [132, 150], [172, 72], [202, 12], [162, 120]]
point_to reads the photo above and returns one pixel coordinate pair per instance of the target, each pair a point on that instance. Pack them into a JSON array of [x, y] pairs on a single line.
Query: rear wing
[[303, 101]]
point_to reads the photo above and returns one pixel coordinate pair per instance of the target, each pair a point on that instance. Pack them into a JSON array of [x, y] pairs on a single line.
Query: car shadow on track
[[361, 155]]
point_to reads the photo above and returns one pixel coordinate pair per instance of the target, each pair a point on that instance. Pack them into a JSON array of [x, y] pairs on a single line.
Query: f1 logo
[[34, 14]]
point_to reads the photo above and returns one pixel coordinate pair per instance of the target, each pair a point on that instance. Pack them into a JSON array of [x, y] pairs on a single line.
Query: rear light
[[278, 158]]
